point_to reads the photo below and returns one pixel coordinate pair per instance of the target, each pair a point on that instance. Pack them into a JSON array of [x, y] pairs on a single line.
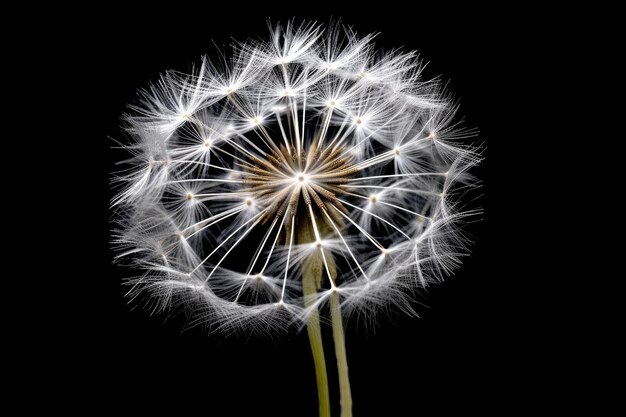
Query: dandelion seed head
[[311, 145]]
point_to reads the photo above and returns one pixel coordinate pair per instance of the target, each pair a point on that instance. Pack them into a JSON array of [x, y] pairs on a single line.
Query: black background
[[476, 340]]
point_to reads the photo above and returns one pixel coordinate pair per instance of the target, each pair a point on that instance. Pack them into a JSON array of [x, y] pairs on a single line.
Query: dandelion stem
[[309, 289], [312, 273], [345, 395]]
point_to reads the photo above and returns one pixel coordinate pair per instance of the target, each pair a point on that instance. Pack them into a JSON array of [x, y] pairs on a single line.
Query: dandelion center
[[285, 180]]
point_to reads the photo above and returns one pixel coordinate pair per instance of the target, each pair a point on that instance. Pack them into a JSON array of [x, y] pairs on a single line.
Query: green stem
[[309, 288], [342, 359]]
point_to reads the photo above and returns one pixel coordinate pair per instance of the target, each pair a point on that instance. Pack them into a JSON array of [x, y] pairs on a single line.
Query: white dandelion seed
[[306, 170]]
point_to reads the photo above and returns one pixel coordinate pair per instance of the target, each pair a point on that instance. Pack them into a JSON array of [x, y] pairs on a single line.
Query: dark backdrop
[[470, 348]]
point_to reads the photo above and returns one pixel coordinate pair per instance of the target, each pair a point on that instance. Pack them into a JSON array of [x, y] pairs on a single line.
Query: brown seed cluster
[[283, 178]]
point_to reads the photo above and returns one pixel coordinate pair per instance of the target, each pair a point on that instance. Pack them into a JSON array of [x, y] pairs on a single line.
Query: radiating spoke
[[387, 188], [376, 216], [416, 174], [345, 244], [231, 248], [363, 231], [214, 217], [256, 257], [390, 205], [227, 239]]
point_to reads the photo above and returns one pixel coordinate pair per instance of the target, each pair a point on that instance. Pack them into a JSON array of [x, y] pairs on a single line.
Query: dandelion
[[305, 171]]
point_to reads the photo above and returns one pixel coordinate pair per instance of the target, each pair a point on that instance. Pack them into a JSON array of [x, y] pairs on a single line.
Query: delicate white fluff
[[221, 166]]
